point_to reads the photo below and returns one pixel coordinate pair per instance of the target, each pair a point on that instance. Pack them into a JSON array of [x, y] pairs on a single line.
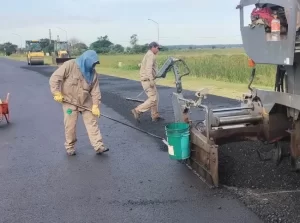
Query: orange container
[[4, 108], [275, 25], [251, 63]]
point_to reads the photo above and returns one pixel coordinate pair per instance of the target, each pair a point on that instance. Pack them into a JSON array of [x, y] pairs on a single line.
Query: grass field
[[224, 71]]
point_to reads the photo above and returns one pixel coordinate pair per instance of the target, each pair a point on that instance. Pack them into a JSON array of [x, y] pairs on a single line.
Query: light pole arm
[[65, 32], [20, 39], [157, 28]]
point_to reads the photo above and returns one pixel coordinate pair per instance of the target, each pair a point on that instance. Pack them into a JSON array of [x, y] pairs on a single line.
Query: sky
[[180, 22]]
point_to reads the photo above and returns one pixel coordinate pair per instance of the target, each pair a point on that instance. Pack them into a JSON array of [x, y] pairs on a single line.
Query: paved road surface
[[134, 182]]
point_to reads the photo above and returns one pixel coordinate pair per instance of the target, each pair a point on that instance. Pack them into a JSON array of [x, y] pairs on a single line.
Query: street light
[[20, 38], [65, 32], [157, 28]]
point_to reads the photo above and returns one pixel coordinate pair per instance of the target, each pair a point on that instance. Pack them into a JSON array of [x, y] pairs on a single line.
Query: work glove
[[96, 110], [58, 97]]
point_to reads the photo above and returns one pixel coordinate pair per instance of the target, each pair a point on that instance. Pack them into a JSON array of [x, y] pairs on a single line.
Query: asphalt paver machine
[[269, 116]]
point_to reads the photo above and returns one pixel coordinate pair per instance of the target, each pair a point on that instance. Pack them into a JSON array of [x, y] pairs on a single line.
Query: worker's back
[[74, 87], [148, 66]]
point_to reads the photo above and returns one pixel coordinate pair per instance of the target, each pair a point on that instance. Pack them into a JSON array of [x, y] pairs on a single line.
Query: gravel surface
[[268, 190]]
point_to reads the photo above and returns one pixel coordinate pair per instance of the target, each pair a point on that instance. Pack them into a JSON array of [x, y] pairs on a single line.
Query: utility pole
[[50, 40], [50, 35], [20, 40]]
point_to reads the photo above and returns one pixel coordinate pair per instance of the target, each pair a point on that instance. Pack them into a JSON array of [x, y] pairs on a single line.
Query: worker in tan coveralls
[[76, 81], [148, 72]]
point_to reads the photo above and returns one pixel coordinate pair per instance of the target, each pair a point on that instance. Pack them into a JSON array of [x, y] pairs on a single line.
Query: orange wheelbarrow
[[4, 109]]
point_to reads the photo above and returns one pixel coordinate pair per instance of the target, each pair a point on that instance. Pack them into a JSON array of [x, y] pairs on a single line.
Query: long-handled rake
[[138, 129]]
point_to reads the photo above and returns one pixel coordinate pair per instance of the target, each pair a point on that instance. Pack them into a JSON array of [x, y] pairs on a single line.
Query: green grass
[[230, 65], [224, 71]]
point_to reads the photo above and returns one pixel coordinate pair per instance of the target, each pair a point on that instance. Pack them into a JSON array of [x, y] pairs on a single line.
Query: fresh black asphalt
[[134, 182]]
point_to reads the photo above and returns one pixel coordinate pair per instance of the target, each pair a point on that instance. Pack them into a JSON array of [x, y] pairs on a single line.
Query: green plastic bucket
[[178, 138]]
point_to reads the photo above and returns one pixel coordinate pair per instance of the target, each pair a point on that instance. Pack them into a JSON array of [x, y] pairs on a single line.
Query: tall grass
[[229, 65]]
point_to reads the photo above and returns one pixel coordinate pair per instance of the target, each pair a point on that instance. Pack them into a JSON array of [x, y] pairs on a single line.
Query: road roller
[[35, 54]]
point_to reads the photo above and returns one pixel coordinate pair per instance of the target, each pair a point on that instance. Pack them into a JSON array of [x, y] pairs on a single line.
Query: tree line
[[102, 46]]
